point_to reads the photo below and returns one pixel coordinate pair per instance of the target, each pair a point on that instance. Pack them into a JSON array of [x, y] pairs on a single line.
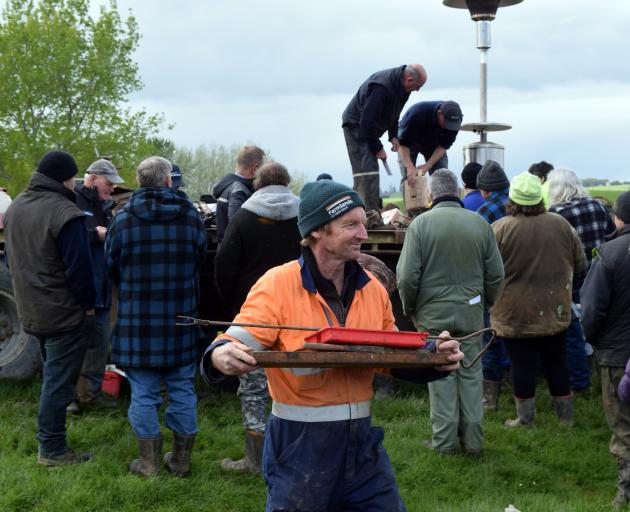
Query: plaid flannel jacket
[[494, 207], [589, 218], [153, 250]]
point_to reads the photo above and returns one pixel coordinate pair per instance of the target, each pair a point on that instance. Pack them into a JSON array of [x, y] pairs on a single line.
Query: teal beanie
[[323, 201]]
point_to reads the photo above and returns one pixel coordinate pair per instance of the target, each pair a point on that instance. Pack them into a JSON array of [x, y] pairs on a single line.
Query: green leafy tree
[[203, 167], [64, 80]]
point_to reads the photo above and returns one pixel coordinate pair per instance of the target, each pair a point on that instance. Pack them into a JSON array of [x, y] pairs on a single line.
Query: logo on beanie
[[340, 206]]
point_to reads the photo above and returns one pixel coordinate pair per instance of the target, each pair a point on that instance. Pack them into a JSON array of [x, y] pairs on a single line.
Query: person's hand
[[411, 175], [447, 345], [423, 169], [233, 358], [101, 232], [90, 312], [381, 155], [395, 144]]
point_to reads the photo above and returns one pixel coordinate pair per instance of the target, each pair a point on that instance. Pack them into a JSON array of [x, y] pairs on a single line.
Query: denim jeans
[[496, 360], [93, 369], [579, 373], [181, 411], [62, 355]]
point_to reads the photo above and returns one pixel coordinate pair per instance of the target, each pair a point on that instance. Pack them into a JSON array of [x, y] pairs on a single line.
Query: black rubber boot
[[252, 461], [178, 460], [525, 412], [149, 462]]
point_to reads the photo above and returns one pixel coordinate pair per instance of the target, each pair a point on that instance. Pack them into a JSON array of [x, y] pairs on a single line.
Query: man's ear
[[317, 234]]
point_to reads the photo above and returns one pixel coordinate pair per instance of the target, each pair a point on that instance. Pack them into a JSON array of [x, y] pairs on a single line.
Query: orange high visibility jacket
[[286, 295]]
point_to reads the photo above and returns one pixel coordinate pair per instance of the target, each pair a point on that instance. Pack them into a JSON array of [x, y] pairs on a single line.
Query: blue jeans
[[93, 369], [62, 355], [496, 360], [328, 466], [181, 411], [579, 373]]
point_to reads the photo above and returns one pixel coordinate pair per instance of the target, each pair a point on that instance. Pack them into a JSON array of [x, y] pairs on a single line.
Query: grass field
[[548, 468], [609, 192]]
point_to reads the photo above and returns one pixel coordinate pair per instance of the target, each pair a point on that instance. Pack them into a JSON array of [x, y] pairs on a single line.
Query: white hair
[[564, 185]]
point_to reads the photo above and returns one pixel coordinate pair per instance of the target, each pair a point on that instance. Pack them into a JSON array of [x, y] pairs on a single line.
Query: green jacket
[[449, 269]]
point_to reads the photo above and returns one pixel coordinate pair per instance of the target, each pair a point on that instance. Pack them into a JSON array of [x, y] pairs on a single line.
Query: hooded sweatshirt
[[153, 250], [262, 235]]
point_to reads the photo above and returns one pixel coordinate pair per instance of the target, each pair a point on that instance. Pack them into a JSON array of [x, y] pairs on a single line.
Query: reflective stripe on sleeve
[[302, 372], [309, 414], [243, 335]]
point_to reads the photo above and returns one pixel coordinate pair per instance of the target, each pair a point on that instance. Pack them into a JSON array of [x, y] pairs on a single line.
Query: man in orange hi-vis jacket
[[320, 452]]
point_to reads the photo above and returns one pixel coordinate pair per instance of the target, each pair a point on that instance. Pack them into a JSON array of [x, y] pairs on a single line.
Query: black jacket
[[97, 213], [606, 301], [231, 192], [376, 107], [255, 242]]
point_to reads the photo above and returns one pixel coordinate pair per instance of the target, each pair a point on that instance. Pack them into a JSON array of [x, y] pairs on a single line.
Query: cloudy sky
[[280, 72]]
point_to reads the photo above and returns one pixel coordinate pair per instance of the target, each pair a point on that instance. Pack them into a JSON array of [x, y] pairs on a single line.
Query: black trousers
[[528, 355]]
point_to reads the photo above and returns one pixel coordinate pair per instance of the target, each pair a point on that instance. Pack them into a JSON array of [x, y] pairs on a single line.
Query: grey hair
[[153, 172], [564, 185], [443, 183]]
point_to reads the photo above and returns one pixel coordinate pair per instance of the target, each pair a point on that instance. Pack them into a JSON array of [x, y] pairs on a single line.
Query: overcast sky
[[280, 72]]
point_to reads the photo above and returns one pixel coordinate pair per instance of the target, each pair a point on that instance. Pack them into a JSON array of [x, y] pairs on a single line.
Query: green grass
[[610, 192], [549, 468]]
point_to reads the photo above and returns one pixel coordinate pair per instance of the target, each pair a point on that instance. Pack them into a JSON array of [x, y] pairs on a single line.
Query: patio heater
[[483, 12]]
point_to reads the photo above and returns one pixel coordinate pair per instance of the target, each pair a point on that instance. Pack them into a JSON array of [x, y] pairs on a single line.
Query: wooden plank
[[323, 359]]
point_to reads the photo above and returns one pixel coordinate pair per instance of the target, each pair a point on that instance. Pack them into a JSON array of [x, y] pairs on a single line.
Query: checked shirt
[[589, 218], [494, 207]]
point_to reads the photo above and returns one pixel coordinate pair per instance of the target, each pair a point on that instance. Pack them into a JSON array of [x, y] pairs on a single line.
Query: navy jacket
[[376, 107], [153, 250], [419, 129], [97, 213]]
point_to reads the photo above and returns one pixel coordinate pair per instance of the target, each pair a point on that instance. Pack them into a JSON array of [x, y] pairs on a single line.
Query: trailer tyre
[[20, 357]]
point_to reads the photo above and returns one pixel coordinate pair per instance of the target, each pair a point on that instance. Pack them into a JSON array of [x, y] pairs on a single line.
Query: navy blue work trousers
[[327, 467]]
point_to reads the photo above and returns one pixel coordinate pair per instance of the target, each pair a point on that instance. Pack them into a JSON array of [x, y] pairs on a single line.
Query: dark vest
[[391, 79], [45, 304]]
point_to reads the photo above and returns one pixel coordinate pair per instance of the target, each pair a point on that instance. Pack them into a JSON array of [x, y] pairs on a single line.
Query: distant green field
[[610, 192]]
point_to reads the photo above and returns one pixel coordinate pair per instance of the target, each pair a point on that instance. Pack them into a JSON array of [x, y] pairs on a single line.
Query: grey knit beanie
[[322, 201], [491, 177]]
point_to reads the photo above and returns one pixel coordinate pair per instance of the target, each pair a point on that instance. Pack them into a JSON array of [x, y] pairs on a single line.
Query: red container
[[111, 383], [349, 336]]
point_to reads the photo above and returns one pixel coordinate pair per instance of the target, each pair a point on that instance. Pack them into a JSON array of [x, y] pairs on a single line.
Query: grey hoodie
[[275, 202]]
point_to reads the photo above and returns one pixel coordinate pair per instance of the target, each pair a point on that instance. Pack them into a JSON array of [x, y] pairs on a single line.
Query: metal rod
[[197, 321]]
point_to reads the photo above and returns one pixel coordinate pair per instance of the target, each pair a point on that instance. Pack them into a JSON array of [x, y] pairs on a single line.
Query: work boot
[[252, 461], [490, 399], [149, 462], [65, 459], [622, 498], [73, 408], [178, 460], [525, 412], [563, 405]]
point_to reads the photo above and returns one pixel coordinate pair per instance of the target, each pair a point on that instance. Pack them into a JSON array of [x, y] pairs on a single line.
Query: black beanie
[[469, 174], [58, 166], [322, 201], [491, 177], [622, 207]]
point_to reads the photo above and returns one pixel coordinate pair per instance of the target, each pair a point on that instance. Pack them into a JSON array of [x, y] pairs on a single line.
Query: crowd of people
[[535, 258]]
